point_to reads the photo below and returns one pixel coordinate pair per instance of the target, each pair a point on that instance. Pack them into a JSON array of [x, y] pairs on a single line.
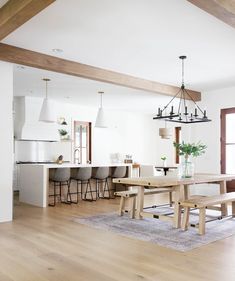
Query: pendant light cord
[[101, 98], [46, 89], [46, 80]]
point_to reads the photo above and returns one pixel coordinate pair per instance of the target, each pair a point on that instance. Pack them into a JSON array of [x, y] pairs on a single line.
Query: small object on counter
[[59, 159], [128, 159]]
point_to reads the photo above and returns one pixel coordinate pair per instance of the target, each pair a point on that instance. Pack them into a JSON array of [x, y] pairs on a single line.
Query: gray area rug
[[162, 232]]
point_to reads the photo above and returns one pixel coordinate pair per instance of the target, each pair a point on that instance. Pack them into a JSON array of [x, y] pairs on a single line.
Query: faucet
[[76, 159]]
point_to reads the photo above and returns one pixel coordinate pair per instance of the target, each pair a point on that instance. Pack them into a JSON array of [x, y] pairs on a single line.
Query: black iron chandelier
[[182, 114]]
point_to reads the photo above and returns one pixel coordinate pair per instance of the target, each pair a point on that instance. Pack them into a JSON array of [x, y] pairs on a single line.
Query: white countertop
[[72, 165]]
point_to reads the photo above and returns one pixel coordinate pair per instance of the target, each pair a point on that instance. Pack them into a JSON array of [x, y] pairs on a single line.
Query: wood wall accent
[[16, 12], [38, 60], [221, 9]]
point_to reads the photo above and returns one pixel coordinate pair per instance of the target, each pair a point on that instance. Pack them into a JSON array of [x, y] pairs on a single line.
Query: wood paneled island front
[[34, 180]]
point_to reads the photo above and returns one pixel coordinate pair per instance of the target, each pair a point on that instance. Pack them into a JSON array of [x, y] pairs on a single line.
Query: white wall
[[209, 133], [127, 133], [6, 147]]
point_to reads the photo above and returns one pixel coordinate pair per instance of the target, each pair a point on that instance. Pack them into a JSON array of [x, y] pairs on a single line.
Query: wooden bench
[[130, 195], [202, 203]]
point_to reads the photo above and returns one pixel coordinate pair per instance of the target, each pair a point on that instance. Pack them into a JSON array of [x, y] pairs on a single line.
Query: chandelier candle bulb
[[159, 111]]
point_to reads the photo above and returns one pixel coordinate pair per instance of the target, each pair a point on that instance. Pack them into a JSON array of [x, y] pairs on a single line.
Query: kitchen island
[[34, 180]]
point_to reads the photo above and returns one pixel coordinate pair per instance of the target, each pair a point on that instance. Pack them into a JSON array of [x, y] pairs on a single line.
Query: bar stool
[[101, 176], [60, 177], [83, 176], [118, 172]]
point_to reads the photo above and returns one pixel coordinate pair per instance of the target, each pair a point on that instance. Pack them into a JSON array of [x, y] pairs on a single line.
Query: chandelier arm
[[194, 101], [185, 107], [179, 108], [171, 100]]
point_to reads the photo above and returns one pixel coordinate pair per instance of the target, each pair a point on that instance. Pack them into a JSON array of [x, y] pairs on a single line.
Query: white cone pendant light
[[47, 113], [100, 119]]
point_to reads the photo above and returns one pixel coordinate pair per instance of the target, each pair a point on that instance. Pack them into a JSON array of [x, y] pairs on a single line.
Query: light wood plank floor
[[44, 244]]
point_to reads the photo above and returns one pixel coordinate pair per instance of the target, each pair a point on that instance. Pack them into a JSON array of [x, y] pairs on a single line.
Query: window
[[82, 142], [177, 139], [228, 143]]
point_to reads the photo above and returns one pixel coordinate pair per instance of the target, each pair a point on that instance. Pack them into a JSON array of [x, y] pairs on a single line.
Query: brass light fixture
[[182, 114]]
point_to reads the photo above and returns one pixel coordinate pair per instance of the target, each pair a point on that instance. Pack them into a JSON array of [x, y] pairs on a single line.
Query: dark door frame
[[223, 113]]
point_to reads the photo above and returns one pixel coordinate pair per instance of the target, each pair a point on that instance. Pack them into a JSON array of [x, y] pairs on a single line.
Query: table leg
[[186, 192], [223, 189], [179, 195], [140, 202]]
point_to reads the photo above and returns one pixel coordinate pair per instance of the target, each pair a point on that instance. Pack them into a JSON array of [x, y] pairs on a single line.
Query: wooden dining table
[[180, 186]]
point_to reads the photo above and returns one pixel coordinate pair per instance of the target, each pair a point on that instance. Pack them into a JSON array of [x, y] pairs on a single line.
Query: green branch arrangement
[[188, 149]]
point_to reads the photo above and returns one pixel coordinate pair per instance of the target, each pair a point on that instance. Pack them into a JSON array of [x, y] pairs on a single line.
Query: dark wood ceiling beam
[[221, 9], [16, 12], [38, 60]]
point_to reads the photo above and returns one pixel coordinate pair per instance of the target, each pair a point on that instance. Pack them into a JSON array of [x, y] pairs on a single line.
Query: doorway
[[82, 142]]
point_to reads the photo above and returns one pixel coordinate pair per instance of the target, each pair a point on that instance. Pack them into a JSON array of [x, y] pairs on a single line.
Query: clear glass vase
[[186, 169]]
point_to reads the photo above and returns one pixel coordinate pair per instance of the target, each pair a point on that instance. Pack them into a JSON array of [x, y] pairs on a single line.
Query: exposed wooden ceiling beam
[[222, 9], [16, 12], [34, 59]]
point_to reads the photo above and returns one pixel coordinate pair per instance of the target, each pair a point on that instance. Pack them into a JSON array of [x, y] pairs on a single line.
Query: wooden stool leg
[[132, 206], [186, 218], [202, 219], [121, 206], [233, 208], [170, 199]]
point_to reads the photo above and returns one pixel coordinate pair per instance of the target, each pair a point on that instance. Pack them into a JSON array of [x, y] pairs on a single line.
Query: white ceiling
[[28, 82], [137, 37]]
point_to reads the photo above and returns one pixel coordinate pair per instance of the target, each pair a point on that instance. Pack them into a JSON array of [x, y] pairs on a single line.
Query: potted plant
[[163, 158], [187, 150]]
